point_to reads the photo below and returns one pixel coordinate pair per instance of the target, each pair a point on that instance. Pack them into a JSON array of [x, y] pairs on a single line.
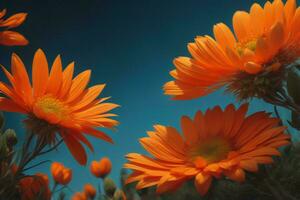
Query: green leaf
[[1, 121]]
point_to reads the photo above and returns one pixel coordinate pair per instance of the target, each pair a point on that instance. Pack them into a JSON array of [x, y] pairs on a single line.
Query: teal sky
[[129, 45]]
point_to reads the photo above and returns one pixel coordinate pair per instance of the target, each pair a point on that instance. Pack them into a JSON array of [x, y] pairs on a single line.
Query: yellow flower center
[[51, 105], [242, 46], [211, 150]]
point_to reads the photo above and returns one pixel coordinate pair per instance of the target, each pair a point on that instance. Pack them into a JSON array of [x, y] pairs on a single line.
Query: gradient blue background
[[129, 45]]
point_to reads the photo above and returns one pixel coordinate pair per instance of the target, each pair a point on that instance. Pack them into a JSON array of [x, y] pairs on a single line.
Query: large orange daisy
[[251, 62], [213, 144], [12, 38], [57, 103]]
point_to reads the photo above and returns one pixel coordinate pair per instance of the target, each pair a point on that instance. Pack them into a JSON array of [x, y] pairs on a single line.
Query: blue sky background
[[129, 45]]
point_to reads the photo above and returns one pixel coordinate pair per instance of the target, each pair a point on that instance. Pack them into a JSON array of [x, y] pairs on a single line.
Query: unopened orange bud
[[90, 191], [79, 196], [101, 168], [60, 173]]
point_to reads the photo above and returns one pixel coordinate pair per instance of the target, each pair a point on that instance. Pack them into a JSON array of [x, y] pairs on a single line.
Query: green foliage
[[1, 121], [11, 137], [293, 86], [109, 187]]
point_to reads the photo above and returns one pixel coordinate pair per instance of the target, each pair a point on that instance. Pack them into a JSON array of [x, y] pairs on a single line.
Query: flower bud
[[101, 168], [3, 146], [119, 195], [60, 173], [79, 196], [109, 187], [11, 137], [89, 191]]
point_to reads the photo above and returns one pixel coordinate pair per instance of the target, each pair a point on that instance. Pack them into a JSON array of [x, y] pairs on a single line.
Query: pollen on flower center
[[242, 46], [51, 105], [212, 150]]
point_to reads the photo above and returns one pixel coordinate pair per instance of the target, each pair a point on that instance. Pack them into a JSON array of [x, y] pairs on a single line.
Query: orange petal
[[189, 130], [11, 38], [240, 22], [10, 106], [14, 21], [79, 83], [236, 175], [97, 133], [224, 36], [55, 77], [21, 77], [252, 67], [39, 73], [67, 80], [202, 183], [75, 148]]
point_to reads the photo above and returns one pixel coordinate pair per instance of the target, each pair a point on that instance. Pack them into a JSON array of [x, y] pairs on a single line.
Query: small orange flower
[[55, 103], [79, 196], [216, 143], [266, 41], [60, 173], [89, 191], [101, 168], [37, 186], [12, 38]]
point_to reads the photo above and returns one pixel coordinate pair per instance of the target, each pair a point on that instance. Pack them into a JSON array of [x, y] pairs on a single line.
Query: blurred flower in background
[[12, 38], [79, 196], [60, 173], [35, 187], [101, 168], [90, 191]]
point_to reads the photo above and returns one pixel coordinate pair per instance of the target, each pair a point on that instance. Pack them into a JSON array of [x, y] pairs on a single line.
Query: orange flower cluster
[[60, 173], [214, 144], [79, 196], [12, 38], [89, 192], [36, 186], [102, 168]]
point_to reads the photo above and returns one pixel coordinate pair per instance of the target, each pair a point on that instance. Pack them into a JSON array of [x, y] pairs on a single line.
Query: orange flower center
[[249, 45], [52, 106], [211, 150]]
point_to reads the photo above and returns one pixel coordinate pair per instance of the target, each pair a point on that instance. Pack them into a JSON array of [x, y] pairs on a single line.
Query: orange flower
[[12, 38], [101, 168], [57, 103], [89, 191], [37, 186], [79, 196], [210, 148], [265, 42], [60, 173]]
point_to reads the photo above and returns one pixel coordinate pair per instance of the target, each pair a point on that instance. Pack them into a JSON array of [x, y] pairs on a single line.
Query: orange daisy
[[57, 103], [213, 144], [12, 38], [251, 62]]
